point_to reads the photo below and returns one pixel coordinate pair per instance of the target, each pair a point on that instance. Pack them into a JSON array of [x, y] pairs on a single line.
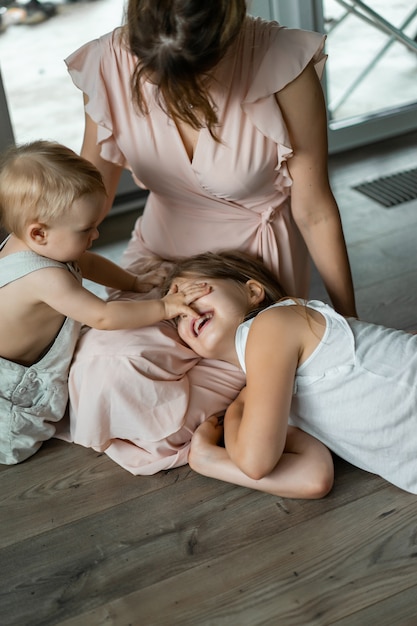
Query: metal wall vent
[[391, 190]]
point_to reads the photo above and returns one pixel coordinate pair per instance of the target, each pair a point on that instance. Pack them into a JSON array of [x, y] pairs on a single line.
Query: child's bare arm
[[256, 422], [104, 272], [305, 469], [62, 292]]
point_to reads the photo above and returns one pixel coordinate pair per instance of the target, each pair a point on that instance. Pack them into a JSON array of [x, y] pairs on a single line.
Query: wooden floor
[[84, 543]]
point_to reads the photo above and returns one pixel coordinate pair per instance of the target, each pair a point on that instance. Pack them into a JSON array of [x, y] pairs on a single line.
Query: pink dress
[[139, 395]]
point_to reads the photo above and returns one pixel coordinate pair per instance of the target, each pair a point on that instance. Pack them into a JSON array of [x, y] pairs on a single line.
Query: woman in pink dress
[[221, 117]]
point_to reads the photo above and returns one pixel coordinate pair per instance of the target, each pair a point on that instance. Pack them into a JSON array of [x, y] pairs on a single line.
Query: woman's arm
[[313, 205], [91, 151], [305, 469]]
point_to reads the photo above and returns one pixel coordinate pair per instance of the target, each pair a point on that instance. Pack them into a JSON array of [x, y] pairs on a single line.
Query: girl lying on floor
[[314, 380]]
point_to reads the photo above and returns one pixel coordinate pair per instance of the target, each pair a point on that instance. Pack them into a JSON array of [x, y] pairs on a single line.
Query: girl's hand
[[305, 470], [210, 431], [176, 302], [207, 438]]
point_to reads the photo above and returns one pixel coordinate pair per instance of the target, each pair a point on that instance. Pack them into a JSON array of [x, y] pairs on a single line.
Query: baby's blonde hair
[[39, 182]]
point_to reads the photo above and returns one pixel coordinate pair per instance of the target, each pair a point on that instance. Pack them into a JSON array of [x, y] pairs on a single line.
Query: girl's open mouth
[[199, 323]]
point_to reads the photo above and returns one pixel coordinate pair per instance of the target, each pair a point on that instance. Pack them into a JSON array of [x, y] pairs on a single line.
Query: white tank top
[[357, 393]]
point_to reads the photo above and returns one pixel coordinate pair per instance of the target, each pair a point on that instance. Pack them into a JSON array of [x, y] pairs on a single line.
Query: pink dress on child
[[138, 395]]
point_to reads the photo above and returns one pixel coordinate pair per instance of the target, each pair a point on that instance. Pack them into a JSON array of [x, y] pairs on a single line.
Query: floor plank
[[397, 609], [83, 482], [284, 577]]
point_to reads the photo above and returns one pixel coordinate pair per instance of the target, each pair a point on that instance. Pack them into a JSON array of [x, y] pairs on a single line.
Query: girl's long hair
[[229, 265]]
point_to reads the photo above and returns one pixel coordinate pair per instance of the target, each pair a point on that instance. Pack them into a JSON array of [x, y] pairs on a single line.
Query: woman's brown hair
[[177, 43]]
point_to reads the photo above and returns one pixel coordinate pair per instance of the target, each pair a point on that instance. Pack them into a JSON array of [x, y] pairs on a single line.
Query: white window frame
[[344, 134]]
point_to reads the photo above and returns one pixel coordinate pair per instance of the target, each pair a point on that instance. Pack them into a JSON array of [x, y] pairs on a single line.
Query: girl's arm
[[256, 422], [61, 291], [313, 205], [305, 469]]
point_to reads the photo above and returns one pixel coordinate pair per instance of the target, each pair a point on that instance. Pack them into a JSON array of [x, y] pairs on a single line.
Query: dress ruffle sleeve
[[95, 69], [287, 54]]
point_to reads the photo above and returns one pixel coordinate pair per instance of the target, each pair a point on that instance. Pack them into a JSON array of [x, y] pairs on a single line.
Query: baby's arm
[[61, 291], [305, 469]]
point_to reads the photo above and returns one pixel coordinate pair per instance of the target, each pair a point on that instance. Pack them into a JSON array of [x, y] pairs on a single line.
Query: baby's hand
[[176, 302]]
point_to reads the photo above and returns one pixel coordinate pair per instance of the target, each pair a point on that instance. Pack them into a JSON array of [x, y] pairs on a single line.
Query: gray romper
[[357, 393], [33, 397]]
